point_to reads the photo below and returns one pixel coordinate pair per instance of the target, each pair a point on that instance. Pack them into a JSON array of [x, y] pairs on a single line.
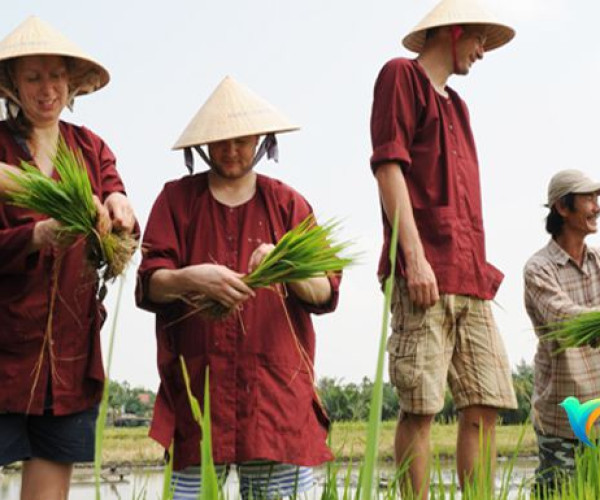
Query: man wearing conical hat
[[425, 164], [50, 360], [204, 233]]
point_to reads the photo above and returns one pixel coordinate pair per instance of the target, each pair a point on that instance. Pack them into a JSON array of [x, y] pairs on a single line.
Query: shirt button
[[454, 152], [451, 127]]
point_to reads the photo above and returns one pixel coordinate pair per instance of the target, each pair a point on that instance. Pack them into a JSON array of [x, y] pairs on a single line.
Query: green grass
[[132, 446]]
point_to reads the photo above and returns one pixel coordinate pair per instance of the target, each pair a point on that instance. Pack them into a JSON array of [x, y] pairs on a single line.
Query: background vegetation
[[346, 402]]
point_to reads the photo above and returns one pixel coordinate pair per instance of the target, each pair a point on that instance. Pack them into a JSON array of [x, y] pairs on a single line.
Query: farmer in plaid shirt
[[562, 280]]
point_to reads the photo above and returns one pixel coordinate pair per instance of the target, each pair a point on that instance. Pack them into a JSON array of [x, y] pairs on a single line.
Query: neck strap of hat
[[455, 32], [268, 146]]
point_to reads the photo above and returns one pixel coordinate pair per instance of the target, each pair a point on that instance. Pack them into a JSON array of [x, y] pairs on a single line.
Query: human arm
[[420, 278], [6, 183], [215, 281], [120, 212], [316, 291], [109, 187], [546, 299]]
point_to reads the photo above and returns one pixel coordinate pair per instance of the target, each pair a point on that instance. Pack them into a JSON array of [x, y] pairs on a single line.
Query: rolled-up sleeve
[[393, 115], [160, 249]]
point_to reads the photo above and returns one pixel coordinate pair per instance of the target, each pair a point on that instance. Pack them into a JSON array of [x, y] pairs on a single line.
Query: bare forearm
[[166, 285], [395, 199], [214, 281], [421, 280], [315, 291]]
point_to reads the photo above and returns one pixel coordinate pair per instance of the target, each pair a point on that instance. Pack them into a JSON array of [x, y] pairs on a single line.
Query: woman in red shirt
[[50, 360]]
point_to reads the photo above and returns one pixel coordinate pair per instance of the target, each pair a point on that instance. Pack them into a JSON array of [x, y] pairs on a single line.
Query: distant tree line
[[350, 401], [343, 401]]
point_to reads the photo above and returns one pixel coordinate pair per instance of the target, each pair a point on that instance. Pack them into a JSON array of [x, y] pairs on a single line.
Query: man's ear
[[561, 207]]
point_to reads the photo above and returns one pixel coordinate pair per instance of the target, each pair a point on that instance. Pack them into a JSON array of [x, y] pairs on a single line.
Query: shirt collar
[[561, 257]]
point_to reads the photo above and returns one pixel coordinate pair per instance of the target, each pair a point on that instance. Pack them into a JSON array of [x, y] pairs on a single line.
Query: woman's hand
[[103, 222], [46, 234], [120, 211], [258, 255]]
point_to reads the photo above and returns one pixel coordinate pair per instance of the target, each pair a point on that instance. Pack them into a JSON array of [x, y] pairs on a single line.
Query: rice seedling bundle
[[576, 331], [69, 200], [306, 251]]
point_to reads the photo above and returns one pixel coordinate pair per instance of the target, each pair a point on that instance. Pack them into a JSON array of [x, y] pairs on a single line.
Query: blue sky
[[533, 108]]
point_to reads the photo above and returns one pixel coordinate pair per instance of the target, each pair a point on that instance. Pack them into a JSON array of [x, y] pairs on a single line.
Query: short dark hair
[[555, 221], [430, 32]]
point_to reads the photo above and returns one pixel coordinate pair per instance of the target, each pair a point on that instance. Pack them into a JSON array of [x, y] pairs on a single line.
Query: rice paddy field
[[126, 447], [364, 469]]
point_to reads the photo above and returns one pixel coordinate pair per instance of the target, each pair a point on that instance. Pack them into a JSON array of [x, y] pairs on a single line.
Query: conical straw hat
[[231, 111], [35, 37], [452, 12]]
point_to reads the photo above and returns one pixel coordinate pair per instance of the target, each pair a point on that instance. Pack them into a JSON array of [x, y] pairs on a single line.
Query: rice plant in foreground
[[577, 331], [373, 430], [69, 200], [304, 252], [210, 488], [102, 411]]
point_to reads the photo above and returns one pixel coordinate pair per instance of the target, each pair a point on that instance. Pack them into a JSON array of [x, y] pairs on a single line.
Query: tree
[[124, 399], [351, 401]]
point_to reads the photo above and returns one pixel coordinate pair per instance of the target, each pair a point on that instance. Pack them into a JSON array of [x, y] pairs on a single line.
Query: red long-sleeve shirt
[[263, 404], [25, 296], [430, 137]]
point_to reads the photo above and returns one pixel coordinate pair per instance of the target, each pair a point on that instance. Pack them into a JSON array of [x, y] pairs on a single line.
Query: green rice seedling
[[140, 492], [330, 491], [101, 420], [576, 331], [168, 489], [211, 489], [304, 252], [69, 200], [374, 426], [510, 466], [347, 478]]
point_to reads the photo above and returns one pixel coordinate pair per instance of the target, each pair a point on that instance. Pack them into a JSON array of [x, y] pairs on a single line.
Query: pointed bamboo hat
[[453, 12], [34, 37], [232, 110]]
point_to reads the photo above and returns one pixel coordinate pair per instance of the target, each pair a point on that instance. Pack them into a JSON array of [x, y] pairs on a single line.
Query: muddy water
[[127, 485]]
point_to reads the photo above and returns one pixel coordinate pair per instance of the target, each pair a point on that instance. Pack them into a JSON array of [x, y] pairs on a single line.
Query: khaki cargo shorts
[[455, 340]]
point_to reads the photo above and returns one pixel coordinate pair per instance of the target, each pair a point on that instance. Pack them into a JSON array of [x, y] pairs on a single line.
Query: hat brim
[[85, 75], [497, 36], [231, 111], [34, 37]]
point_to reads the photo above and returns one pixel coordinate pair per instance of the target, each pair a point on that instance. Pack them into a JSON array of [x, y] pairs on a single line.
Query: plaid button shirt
[[557, 287]]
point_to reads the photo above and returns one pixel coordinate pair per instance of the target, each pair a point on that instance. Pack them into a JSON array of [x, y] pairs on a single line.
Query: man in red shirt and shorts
[[425, 163]]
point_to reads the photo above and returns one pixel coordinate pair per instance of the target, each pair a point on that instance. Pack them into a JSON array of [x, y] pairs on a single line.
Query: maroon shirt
[[430, 137], [25, 292], [263, 403]]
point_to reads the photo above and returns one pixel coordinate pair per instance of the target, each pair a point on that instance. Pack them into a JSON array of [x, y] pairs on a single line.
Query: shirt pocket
[[405, 366]]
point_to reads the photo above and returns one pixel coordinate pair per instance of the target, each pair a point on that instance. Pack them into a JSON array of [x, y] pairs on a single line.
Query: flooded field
[[130, 484]]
